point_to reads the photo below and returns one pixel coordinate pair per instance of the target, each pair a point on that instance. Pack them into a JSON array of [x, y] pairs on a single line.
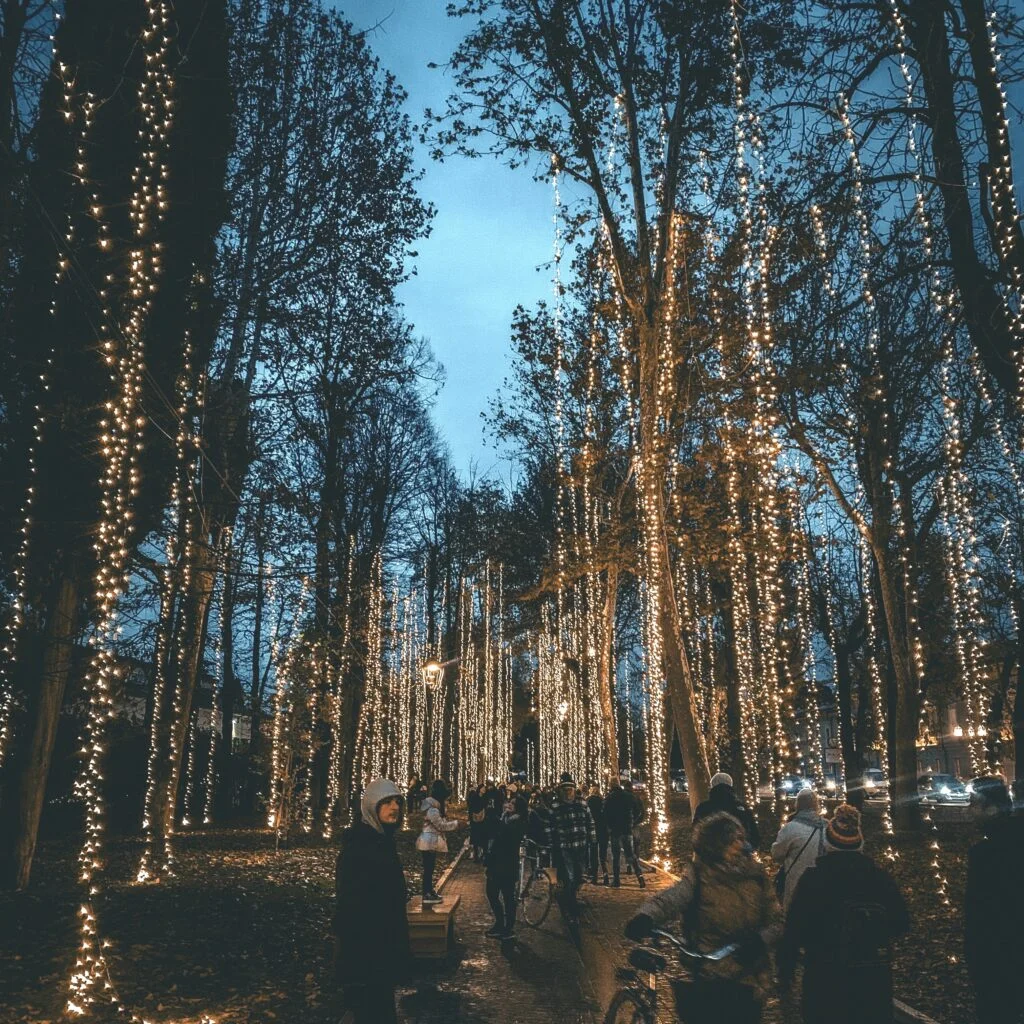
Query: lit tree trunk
[[651, 484], [196, 608], [606, 670], [985, 314], [733, 706], [58, 644]]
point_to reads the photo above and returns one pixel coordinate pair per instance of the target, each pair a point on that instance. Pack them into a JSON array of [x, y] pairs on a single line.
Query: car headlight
[[830, 784], [969, 788], [869, 783], [944, 790]]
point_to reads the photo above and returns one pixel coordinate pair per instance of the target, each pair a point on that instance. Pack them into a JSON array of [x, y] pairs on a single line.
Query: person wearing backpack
[[844, 915], [800, 842]]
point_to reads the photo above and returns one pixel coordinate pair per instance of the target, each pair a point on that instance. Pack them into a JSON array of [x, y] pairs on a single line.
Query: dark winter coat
[[595, 804], [831, 898], [618, 811], [369, 916], [723, 798], [993, 912], [503, 860]]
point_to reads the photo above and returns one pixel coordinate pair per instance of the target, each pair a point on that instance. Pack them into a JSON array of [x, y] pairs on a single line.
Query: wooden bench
[[432, 927]]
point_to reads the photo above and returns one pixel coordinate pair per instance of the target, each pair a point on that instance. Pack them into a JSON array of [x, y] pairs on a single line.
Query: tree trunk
[[58, 644], [606, 671], [904, 728], [196, 608], [984, 312], [651, 484], [733, 707]]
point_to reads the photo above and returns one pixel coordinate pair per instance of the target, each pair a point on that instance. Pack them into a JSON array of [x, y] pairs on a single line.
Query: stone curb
[[450, 870]]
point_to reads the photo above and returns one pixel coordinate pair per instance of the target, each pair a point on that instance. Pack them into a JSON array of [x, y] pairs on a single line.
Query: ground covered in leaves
[[241, 933]]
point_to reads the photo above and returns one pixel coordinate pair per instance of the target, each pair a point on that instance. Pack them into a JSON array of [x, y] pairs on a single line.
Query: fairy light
[[955, 511], [282, 690], [119, 443]]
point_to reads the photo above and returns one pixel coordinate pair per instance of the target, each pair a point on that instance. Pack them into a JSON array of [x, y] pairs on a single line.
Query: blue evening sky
[[493, 229]]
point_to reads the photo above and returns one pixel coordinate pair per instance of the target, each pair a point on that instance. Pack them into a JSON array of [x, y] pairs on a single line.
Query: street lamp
[[433, 674]]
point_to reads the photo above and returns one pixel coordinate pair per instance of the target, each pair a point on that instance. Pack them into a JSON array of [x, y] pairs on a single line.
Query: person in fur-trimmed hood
[[724, 896], [370, 925]]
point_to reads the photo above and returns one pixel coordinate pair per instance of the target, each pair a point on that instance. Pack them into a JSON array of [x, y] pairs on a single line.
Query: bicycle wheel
[[627, 1007], [536, 898]]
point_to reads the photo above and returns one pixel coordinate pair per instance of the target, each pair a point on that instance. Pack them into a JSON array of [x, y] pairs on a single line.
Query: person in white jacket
[[800, 842], [431, 839]]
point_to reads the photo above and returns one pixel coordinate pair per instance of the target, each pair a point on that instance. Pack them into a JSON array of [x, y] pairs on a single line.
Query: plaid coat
[[571, 828]]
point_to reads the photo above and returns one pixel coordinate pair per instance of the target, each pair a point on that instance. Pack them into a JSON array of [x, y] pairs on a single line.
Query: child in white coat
[[431, 839]]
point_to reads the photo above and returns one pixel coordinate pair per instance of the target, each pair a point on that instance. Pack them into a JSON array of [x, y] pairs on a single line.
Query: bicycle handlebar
[[690, 954]]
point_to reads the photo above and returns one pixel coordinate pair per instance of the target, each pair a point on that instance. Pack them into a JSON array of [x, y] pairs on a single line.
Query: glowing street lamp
[[433, 674]]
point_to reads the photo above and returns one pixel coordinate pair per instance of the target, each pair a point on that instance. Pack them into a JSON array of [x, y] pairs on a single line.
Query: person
[[618, 816], [723, 798], [994, 905], [571, 831], [599, 850], [370, 926], [503, 867], [416, 791], [844, 915], [723, 896], [639, 817], [800, 842], [475, 810], [431, 840], [538, 825]]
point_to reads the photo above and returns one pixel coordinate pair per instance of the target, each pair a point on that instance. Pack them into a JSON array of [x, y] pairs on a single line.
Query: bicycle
[[637, 1001], [535, 887]]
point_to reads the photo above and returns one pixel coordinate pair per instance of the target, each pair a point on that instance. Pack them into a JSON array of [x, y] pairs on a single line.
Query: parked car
[[627, 775], [679, 783], [936, 788], [876, 785], [790, 785]]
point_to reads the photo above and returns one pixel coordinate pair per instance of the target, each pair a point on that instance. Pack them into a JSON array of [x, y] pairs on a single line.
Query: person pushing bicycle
[[724, 897]]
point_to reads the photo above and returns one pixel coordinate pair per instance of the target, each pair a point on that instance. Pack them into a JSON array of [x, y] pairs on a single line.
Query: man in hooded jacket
[[370, 924], [722, 798]]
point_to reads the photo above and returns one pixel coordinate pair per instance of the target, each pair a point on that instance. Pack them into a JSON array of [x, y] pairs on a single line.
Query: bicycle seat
[[647, 960], [625, 974]]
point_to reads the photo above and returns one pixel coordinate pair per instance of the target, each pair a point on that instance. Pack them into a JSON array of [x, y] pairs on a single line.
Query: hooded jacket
[[369, 914], [732, 903], [723, 798]]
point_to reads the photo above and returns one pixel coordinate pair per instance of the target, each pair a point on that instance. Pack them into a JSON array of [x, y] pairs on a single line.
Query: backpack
[[863, 933]]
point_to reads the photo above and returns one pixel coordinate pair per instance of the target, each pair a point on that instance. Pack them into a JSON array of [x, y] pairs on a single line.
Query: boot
[[606, 878]]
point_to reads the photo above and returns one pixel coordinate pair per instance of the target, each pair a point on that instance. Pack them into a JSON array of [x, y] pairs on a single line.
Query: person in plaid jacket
[[571, 832]]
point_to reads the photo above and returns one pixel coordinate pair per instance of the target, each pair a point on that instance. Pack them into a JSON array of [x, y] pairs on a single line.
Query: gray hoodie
[[373, 796]]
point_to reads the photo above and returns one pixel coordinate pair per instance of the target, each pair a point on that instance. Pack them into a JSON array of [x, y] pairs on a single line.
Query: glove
[[751, 948], [639, 927]]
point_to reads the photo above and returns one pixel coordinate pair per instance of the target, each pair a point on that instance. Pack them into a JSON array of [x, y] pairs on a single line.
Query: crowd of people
[[829, 905]]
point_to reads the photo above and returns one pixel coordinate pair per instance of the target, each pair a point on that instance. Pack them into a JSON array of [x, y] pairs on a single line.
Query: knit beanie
[[721, 779], [843, 831]]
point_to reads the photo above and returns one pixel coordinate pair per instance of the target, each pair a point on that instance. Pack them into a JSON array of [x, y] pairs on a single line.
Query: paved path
[[540, 977]]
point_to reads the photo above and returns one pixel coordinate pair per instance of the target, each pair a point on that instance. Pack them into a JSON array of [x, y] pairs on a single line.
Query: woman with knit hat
[[844, 915]]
